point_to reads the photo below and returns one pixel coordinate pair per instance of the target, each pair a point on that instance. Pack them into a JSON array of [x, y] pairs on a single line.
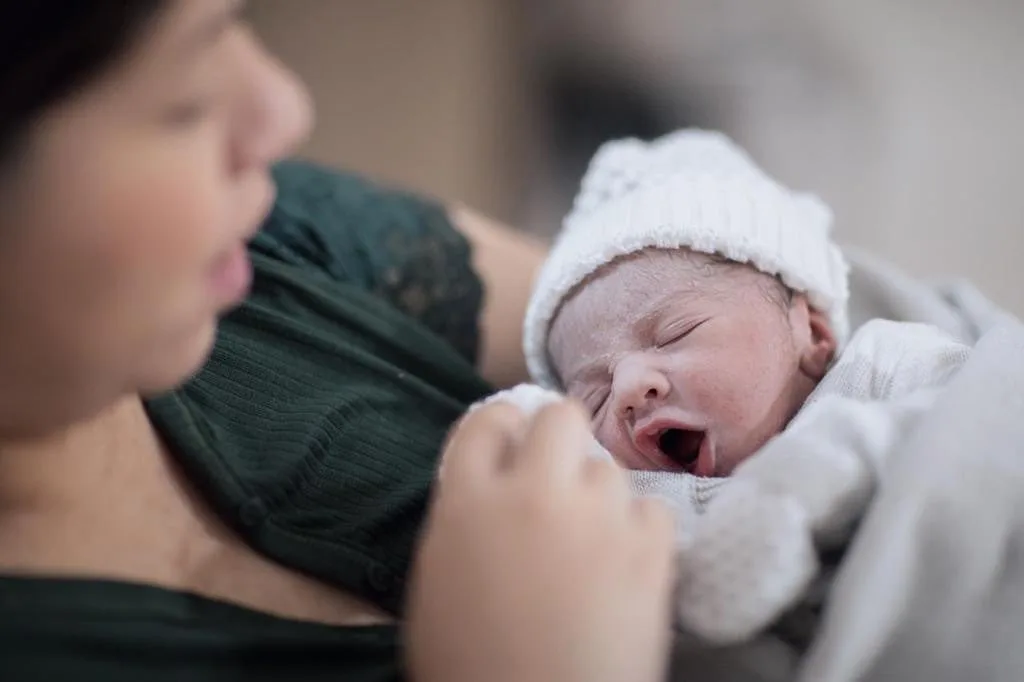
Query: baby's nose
[[637, 384]]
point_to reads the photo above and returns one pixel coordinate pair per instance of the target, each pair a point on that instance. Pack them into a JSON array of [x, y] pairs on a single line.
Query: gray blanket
[[932, 586]]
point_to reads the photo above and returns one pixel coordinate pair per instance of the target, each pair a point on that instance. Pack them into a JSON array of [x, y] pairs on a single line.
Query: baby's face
[[687, 365]]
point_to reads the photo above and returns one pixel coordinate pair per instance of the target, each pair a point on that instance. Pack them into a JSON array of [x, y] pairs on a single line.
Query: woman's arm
[[507, 262]]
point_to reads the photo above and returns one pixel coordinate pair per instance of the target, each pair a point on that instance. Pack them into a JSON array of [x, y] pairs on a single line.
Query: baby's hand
[[751, 557], [754, 551], [527, 397], [824, 470]]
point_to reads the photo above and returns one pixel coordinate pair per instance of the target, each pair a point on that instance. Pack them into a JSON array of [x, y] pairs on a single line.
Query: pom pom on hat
[[690, 189]]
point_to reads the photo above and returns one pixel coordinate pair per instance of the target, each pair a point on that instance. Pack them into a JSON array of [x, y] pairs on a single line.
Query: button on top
[[380, 579], [252, 512]]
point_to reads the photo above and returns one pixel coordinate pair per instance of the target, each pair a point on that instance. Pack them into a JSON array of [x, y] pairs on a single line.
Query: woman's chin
[[180, 361]]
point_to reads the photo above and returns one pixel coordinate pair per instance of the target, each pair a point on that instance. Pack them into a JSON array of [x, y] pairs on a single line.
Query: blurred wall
[[428, 94], [945, 182], [904, 116]]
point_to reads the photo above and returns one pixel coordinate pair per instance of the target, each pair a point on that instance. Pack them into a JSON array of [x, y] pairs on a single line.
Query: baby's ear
[[814, 337]]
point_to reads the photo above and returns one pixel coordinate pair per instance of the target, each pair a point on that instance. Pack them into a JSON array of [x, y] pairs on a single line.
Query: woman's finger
[[480, 441], [656, 531], [555, 446], [654, 514], [608, 478]]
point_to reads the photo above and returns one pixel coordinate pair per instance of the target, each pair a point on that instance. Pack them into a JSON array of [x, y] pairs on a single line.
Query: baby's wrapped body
[[698, 309], [757, 549]]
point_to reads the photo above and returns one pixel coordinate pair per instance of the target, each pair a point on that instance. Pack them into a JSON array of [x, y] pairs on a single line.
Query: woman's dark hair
[[51, 48]]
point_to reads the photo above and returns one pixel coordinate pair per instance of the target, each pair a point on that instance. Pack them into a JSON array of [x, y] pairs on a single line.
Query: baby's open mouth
[[682, 446], [667, 443]]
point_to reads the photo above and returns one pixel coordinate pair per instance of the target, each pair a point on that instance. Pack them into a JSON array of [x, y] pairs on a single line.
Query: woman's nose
[[274, 112], [637, 383]]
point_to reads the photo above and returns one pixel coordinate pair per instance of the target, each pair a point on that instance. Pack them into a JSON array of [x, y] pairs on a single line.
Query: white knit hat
[[690, 189]]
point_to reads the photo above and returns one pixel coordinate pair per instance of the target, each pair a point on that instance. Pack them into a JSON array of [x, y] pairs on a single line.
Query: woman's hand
[[536, 563]]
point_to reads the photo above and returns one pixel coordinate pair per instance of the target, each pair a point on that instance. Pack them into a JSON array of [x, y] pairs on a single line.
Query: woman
[[257, 521]]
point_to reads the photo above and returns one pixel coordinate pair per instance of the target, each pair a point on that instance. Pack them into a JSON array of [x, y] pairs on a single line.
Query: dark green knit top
[[314, 430]]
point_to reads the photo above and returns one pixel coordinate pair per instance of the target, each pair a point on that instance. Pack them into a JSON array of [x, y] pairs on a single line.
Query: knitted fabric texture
[[690, 189], [748, 545]]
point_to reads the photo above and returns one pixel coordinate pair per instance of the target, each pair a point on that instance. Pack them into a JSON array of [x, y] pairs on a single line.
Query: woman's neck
[[80, 461], [86, 501]]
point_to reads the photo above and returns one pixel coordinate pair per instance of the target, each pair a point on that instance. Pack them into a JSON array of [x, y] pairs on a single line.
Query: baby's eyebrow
[[594, 372], [639, 329], [598, 368], [646, 324]]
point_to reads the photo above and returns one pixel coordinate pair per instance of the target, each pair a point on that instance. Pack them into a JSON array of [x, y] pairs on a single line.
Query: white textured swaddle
[[748, 545]]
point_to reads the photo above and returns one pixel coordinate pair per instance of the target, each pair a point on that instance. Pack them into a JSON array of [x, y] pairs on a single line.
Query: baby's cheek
[[613, 441], [716, 388]]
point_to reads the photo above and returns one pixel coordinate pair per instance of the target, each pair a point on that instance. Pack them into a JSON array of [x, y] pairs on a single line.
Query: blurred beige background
[[905, 116]]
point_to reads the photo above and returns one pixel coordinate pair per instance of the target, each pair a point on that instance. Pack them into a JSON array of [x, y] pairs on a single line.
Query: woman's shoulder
[[355, 229], [400, 247]]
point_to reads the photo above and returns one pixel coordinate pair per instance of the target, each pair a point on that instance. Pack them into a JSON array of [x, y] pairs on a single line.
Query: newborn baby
[[691, 303], [687, 362], [697, 308]]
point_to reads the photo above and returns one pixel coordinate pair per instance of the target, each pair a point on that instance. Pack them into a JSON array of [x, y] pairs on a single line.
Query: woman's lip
[[231, 275], [266, 207]]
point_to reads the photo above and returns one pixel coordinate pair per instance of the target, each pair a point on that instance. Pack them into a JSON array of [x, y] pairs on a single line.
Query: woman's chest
[[155, 530]]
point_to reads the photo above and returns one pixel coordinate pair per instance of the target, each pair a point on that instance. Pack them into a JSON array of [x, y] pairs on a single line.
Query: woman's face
[[124, 221]]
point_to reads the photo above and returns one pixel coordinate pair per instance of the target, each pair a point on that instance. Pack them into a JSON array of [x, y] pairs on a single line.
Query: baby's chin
[[728, 459], [624, 458]]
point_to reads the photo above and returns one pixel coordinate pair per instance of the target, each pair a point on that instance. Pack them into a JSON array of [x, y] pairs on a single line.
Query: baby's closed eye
[[675, 331], [595, 400]]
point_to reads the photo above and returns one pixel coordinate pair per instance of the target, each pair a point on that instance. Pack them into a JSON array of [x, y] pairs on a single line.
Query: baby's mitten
[[824, 464], [751, 558], [800, 495], [530, 398]]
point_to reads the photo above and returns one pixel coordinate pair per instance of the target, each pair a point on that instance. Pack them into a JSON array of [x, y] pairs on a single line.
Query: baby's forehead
[[638, 282], [613, 304]]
